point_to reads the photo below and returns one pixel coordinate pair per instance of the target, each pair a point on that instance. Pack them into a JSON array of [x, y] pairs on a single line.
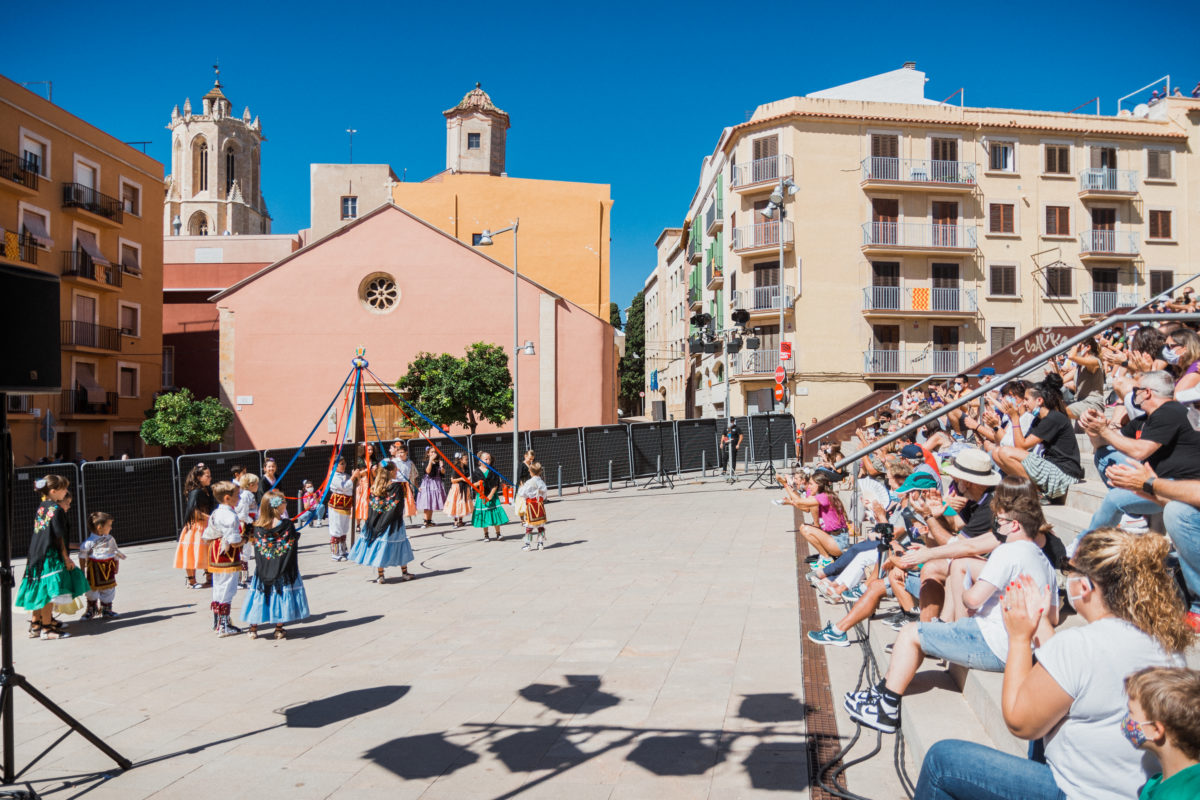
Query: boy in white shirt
[[223, 538], [534, 492]]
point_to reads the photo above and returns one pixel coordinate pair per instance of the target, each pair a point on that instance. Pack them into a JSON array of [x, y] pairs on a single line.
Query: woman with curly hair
[[1073, 699]]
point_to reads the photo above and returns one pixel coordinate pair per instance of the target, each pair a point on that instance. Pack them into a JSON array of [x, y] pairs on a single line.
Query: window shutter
[[1051, 158], [1158, 164], [766, 147], [1002, 337], [995, 223]]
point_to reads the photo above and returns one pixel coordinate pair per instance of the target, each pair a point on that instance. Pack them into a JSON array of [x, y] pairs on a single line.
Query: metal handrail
[[1015, 373]]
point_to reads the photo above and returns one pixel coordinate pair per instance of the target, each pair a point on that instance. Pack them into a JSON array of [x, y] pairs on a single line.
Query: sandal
[[280, 633], [50, 635], [406, 576], [35, 630], [253, 633]]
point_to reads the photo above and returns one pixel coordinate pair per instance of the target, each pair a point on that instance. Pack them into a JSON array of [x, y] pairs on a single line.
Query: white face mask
[[1072, 599], [1134, 411], [1170, 356]]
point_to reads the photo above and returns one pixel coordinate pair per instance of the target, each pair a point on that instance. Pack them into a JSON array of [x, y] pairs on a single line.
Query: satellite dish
[[1141, 111]]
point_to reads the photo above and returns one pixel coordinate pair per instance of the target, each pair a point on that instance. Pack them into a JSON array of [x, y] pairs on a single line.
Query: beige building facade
[[666, 328], [918, 237], [78, 203]]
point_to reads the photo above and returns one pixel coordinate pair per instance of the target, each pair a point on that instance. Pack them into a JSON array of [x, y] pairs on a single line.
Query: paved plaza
[[651, 651]]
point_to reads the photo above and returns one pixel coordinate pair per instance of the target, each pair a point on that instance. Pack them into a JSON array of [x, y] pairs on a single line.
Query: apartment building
[[77, 202], [917, 237], [666, 328]]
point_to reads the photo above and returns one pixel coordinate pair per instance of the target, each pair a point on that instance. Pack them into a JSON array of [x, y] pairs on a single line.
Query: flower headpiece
[[276, 501], [40, 483]]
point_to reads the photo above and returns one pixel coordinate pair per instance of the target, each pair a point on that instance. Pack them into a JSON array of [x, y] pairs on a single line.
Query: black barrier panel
[[698, 440], [419, 448], [220, 464], [555, 448], [500, 446], [26, 501], [602, 444], [311, 465], [773, 437], [140, 495], [649, 440]]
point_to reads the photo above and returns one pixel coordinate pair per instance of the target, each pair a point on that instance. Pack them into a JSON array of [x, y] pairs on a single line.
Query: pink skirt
[[460, 502]]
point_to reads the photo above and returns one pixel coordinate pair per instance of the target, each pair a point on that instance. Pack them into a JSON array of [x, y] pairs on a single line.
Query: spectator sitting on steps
[[1058, 467]]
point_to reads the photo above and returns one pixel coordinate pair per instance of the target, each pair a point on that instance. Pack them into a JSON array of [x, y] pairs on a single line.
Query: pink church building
[[396, 285]]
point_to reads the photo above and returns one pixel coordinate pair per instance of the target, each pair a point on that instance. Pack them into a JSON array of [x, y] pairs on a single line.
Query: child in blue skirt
[[276, 590], [384, 541]]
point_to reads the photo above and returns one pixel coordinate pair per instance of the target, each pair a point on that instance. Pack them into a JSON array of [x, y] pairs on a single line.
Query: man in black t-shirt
[[1164, 439], [1058, 467], [732, 436]]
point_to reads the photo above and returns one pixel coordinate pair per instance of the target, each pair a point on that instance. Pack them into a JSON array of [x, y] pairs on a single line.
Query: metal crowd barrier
[[606, 453], [649, 441], [139, 493], [699, 442], [560, 452], [26, 500]]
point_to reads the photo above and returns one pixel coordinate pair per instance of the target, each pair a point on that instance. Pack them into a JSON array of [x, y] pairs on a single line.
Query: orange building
[[79, 203]]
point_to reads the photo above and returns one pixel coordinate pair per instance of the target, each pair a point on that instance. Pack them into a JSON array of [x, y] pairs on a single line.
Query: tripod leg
[[76, 725], [6, 714]]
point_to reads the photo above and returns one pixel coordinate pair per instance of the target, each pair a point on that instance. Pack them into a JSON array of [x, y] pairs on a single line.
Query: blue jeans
[[848, 554], [1106, 457], [1183, 526], [322, 511], [959, 642], [1118, 502], [954, 769]]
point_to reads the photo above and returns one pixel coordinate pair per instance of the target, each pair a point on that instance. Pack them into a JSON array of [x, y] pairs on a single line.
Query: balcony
[[108, 209], [921, 301], [917, 362], [1101, 182], [762, 236], [694, 298], [714, 275], [18, 173], [1108, 245], [763, 299], [79, 265], [88, 334], [714, 217], [917, 174], [754, 362], [20, 247], [75, 403], [917, 237], [761, 174], [1099, 303], [694, 250]]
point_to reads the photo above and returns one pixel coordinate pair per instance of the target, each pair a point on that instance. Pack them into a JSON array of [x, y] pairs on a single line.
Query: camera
[[886, 533]]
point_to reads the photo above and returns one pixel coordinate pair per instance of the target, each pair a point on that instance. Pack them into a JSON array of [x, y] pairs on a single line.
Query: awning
[[87, 240], [95, 392], [129, 261], [37, 229]]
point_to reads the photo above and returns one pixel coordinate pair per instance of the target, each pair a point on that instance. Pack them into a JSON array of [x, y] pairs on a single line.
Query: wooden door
[[83, 331], [945, 223], [885, 216]]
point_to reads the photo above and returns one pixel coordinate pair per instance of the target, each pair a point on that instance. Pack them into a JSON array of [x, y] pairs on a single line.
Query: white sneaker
[[525, 546], [1133, 524], [777, 501], [541, 545], [334, 557]]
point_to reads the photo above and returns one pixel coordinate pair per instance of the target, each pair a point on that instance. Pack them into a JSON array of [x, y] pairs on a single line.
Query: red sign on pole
[[778, 393], [780, 374], [785, 351]]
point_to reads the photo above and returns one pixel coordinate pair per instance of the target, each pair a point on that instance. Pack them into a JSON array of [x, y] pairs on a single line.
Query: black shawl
[[386, 511], [199, 500], [275, 556], [49, 533]]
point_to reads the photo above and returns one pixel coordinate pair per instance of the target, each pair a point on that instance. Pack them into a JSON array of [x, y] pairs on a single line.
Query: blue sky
[[630, 94]]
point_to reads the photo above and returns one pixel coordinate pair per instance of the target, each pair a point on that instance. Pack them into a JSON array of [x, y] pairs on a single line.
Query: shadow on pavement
[[777, 707], [302, 631]]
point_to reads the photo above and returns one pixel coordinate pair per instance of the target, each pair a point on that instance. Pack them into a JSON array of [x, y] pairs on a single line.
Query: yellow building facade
[[78, 203]]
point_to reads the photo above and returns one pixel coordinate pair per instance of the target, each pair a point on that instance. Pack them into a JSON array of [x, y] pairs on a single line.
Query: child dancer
[[191, 553], [277, 591], [247, 510], [460, 503], [223, 539], [98, 558], [533, 492], [488, 511], [432, 496], [50, 574], [406, 471], [384, 542], [363, 473], [341, 500]]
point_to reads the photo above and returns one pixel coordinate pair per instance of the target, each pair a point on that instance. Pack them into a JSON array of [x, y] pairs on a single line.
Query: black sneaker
[[870, 712]]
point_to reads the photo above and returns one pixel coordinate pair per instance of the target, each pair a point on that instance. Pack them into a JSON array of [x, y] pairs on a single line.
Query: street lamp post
[[786, 188], [485, 240]]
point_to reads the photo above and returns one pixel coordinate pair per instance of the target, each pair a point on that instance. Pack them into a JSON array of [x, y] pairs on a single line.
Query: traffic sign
[[779, 392], [780, 374], [785, 351]]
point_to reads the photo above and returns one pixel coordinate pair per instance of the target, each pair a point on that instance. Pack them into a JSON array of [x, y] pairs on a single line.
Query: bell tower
[[214, 187], [476, 131]]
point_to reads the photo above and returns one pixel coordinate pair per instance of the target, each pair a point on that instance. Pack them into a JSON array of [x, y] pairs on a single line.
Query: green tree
[[632, 369], [461, 391], [180, 420], [614, 315]]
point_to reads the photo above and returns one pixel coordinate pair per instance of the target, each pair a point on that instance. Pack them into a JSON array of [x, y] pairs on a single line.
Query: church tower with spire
[[214, 187], [475, 134]]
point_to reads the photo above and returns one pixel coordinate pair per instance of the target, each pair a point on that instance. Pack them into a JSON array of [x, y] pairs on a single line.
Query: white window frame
[[987, 217], [137, 381], [79, 226], [123, 182], [479, 135], [1089, 146], [947, 135], [900, 140], [1174, 237], [990, 142], [95, 320], [1016, 282], [1170, 151], [1057, 176], [342, 203], [137, 334], [22, 207], [1117, 221], [1159, 268], [1072, 221], [26, 133], [87, 162], [122, 243]]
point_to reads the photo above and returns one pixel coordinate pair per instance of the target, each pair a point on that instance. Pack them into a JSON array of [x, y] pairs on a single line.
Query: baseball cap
[[918, 481], [912, 453]]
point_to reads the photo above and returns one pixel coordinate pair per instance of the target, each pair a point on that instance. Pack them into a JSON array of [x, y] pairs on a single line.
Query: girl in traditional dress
[[460, 502], [269, 477], [523, 474], [432, 496], [50, 574], [247, 511], [406, 471], [341, 500], [488, 511], [362, 481], [384, 542], [190, 554], [533, 492], [223, 540], [277, 590], [98, 558]]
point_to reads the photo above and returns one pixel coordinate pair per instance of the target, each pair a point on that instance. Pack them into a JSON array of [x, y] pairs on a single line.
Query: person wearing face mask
[[1182, 351], [1058, 467], [1165, 440], [1162, 719], [1073, 698]]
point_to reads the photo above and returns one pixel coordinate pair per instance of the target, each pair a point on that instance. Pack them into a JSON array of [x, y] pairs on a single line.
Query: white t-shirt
[[1004, 565], [1026, 422], [1087, 752]]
